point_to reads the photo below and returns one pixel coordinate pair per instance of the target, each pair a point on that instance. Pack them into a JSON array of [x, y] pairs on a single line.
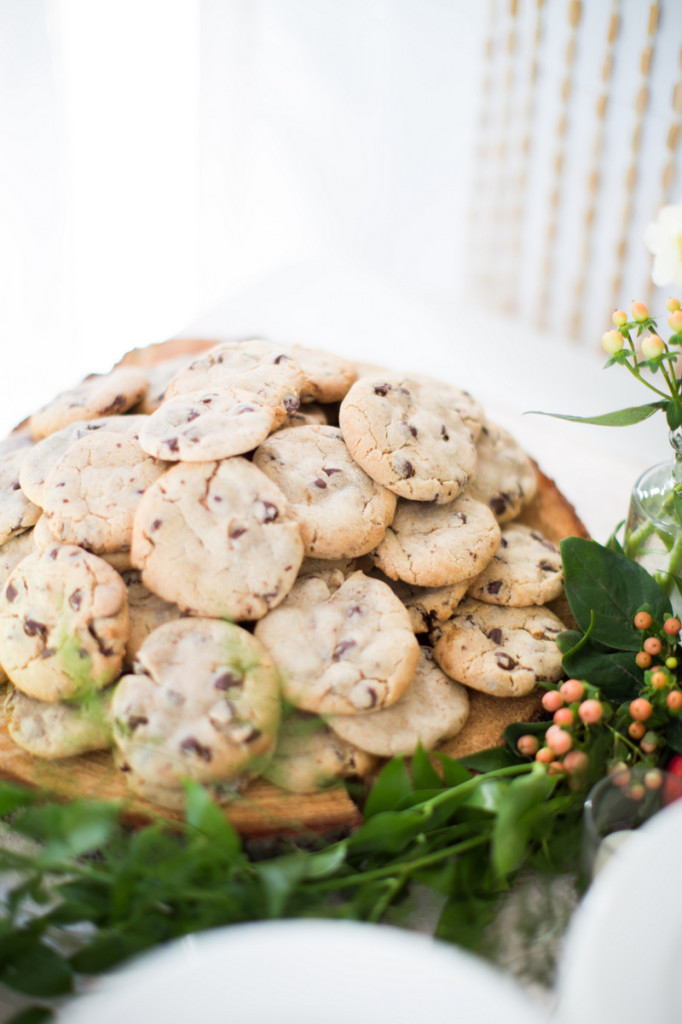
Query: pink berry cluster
[[661, 695], [575, 706]]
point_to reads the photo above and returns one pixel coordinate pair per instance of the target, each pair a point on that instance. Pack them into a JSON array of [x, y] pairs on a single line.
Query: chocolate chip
[[495, 635], [330, 471], [16, 485], [271, 594], [118, 403], [291, 403], [135, 721], [354, 609], [192, 746], [11, 592], [253, 735], [462, 517], [382, 389], [236, 531], [76, 599], [193, 415], [372, 696], [498, 505], [443, 433], [226, 680], [504, 661], [241, 409], [33, 628], [156, 524], [405, 468], [342, 647], [280, 358], [47, 652], [543, 540], [102, 647], [172, 444], [320, 483], [271, 512], [494, 586], [547, 566], [403, 391]]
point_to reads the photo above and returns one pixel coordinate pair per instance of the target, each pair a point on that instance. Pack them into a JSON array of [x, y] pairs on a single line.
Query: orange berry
[[659, 680], [528, 745], [544, 755], [637, 792], [576, 762], [672, 626], [639, 312], [643, 620], [564, 716], [572, 690], [653, 779], [552, 700], [675, 321], [672, 305], [640, 709], [643, 659], [590, 712], [652, 645], [558, 740], [619, 317], [674, 700], [556, 767], [636, 730]]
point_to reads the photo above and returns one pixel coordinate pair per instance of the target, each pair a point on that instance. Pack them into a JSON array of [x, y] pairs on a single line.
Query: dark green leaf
[[279, 878], [610, 587], [424, 774], [390, 787], [675, 339], [614, 672], [613, 544], [387, 833], [517, 729], [454, 772], [490, 795], [489, 760], [204, 815], [105, 951], [674, 734], [464, 919], [32, 1015], [38, 971], [620, 418], [569, 639], [673, 413]]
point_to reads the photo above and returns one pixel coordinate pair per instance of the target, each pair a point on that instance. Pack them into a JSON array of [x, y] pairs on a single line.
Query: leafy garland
[[464, 829]]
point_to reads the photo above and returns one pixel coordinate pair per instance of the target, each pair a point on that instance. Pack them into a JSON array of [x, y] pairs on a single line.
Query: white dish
[[624, 945], [305, 972]]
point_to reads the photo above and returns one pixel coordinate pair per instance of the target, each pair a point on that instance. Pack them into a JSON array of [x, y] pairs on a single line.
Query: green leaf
[[387, 833], [489, 760], [513, 824], [490, 795], [32, 1015], [454, 772], [611, 588], [674, 734], [614, 672], [12, 797], [206, 817], [38, 971], [105, 951], [620, 418], [673, 413], [675, 339], [517, 729], [463, 920], [68, 830], [279, 878], [424, 774], [392, 784]]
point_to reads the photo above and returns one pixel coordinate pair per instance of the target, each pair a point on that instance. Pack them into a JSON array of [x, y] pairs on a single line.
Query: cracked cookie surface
[[501, 651], [56, 729], [17, 513], [405, 436], [342, 512], [92, 492], [203, 703], [98, 395], [525, 570], [434, 708], [207, 425], [438, 545], [359, 652], [63, 623], [217, 539], [504, 478]]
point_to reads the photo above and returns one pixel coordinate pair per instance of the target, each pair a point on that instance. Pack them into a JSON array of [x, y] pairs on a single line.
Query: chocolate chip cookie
[[525, 570]]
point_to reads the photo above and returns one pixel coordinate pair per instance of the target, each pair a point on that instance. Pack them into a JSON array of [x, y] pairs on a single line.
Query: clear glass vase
[[653, 531]]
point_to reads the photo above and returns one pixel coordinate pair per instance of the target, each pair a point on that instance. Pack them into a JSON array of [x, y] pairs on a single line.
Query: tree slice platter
[[263, 810]]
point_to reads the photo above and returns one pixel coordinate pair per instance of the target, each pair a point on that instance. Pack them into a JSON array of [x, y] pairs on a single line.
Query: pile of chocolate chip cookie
[[264, 561]]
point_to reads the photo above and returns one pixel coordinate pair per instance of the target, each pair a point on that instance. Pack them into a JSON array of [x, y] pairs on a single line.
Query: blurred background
[[433, 183]]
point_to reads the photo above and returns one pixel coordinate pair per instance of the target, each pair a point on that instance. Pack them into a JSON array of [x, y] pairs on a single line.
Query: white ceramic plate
[[623, 950], [306, 972]]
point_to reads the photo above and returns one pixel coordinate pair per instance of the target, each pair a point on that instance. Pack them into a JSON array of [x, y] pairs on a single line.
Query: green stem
[[647, 384], [637, 538], [665, 578], [403, 869]]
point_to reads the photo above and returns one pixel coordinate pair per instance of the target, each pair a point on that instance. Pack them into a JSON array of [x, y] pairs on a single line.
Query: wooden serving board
[[263, 809]]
